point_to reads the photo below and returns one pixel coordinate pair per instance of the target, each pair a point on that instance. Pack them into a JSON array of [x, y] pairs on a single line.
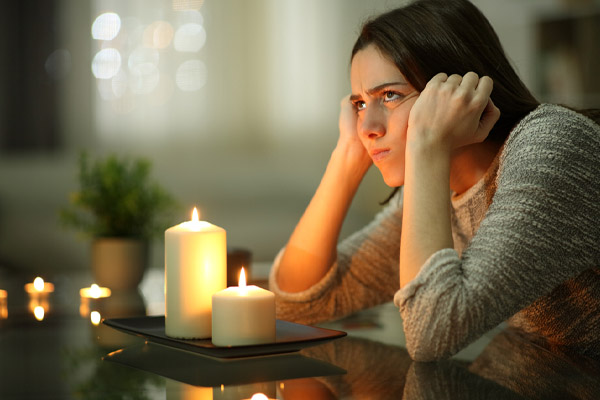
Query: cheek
[[398, 120]]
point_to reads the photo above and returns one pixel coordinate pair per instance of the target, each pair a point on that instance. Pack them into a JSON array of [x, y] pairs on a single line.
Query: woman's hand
[[453, 111], [349, 142]]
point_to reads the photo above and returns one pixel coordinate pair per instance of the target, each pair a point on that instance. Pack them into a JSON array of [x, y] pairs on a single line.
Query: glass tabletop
[[67, 353]]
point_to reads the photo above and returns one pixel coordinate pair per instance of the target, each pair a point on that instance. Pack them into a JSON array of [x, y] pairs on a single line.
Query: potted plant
[[121, 209]]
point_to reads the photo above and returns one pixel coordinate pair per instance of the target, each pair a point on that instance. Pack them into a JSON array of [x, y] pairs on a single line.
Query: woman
[[498, 203]]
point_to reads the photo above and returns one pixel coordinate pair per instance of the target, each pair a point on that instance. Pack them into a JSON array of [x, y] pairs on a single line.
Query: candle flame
[[39, 312], [95, 291], [195, 216], [95, 317], [259, 396], [38, 284], [242, 281]]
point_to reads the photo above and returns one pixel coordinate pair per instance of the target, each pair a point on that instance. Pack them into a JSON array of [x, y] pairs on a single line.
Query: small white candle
[[94, 292], [243, 315], [39, 287], [195, 269]]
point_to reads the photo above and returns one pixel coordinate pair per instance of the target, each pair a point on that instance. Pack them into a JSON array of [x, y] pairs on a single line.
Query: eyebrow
[[378, 88]]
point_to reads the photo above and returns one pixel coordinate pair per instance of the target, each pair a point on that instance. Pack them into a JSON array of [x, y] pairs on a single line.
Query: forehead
[[370, 68]]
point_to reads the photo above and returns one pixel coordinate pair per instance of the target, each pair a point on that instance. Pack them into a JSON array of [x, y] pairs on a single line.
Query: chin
[[393, 181]]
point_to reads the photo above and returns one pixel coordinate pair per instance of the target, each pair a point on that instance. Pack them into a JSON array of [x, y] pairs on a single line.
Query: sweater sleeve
[[540, 230], [365, 273]]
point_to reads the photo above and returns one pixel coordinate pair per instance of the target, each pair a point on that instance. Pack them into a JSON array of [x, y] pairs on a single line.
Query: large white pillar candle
[[243, 315], [195, 269]]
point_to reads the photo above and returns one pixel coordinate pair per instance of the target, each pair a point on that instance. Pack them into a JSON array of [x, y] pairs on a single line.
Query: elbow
[[425, 354], [428, 340], [428, 350]]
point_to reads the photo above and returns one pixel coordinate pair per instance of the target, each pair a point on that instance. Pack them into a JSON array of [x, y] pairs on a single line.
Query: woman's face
[[383, 99]]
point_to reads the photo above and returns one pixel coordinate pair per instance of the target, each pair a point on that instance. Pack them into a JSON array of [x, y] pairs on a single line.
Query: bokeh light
[[58, 64], [158, 35], [144, 78], [106, 26], [119, 83], [190, 16], [182, 5], [191, 75], [95, 318], [106, 63], [142, 55], [190, 38]]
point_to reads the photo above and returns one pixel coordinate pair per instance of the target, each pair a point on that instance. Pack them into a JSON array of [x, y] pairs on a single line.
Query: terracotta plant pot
[[119, 263]]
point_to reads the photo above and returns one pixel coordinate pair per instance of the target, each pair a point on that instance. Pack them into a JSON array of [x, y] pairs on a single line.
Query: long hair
[[452, 36]]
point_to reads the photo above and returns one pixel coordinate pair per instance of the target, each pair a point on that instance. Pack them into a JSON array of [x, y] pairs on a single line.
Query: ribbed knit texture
[[527, 249]]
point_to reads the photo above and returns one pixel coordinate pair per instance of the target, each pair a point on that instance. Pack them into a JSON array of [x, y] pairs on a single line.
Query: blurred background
[[235, 102]]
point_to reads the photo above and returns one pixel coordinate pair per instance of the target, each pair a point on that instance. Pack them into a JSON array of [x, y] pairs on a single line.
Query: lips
[[379, 154]]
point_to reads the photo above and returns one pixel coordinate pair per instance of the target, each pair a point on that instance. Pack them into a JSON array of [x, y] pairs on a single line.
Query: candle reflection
[[120, 304], [3, 304], [180, 391], [252, 391], [95, 317], [39, 312]]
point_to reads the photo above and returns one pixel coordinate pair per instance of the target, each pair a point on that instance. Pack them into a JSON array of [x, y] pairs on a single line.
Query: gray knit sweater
[[526, 250]]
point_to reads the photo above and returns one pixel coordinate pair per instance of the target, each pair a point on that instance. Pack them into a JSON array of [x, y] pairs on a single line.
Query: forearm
[[426, 223], [311, 249], [451, 113]]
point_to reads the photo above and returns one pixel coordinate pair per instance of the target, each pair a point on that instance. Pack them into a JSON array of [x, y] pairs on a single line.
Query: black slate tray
[[290, 337]]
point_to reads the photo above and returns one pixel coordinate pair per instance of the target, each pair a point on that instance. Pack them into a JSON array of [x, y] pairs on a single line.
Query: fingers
[[469, 80], [437, 80], [478, 90], [484, 88], [459, 107], [455, 80], [490, 116]]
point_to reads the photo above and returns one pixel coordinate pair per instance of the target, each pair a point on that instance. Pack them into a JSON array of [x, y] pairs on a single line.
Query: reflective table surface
[[67, 354]]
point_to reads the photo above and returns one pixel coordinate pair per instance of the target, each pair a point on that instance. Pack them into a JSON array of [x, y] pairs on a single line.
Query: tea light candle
[[94, 292], [243, 315], [195, 269], [39, 287]]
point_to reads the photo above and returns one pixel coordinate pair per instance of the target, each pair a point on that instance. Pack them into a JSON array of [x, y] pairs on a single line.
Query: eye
[[390, 96], [359, 105]]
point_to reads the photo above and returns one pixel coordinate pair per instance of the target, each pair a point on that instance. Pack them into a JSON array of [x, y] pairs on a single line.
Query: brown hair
[[452, 36]]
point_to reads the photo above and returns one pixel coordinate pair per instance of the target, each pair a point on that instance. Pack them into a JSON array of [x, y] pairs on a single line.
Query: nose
[[372, 124]]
